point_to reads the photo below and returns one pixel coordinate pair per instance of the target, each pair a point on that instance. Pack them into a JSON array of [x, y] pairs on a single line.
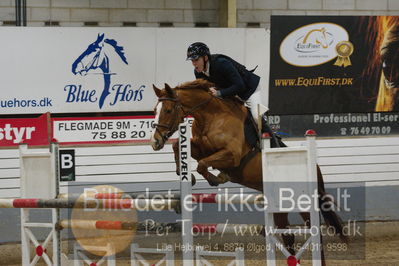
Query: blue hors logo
[[97, 57]]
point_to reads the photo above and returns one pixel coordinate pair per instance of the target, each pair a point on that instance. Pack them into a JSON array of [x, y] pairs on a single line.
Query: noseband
[[173, 126]]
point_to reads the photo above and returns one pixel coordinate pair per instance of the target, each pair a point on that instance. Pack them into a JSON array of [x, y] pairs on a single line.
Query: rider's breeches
[[253, 102]]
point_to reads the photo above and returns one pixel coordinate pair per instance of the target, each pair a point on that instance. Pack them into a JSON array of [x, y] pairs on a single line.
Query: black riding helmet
[[197, 50]]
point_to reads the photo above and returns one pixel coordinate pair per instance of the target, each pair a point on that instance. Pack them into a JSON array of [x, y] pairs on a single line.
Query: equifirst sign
[[312, 44]]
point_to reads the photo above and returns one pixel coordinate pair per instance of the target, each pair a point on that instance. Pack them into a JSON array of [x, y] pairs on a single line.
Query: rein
[[199, 105]]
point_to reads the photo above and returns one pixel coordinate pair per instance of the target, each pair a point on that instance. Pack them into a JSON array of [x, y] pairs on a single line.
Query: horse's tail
[[327, 206]]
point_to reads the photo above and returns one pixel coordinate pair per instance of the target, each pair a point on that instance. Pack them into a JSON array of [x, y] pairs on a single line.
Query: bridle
[[93, 63], [175, 122], [173, 126]]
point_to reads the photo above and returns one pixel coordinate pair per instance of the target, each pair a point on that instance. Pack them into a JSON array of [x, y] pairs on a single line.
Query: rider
[[230, 77]]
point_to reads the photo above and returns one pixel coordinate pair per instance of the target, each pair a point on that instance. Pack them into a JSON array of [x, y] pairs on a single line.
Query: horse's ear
[[100, 37], [157, 91], [170, 91]]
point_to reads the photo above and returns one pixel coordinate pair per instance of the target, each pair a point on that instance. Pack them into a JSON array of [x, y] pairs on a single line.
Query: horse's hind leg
[[306, 218], [281, 221]]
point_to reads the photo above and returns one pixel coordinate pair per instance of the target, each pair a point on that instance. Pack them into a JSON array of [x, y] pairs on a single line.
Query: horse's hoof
[[212, 180], [193, 180], [223, 178], [213, 184]]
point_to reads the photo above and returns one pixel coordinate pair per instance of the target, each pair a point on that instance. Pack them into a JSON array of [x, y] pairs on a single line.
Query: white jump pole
[[185, 192]]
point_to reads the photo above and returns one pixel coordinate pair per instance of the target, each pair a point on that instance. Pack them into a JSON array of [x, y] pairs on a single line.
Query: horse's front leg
[[176, 152], [219, 160], [195, 153]]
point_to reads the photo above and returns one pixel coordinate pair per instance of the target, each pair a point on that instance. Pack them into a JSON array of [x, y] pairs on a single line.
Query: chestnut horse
[[218, 141]]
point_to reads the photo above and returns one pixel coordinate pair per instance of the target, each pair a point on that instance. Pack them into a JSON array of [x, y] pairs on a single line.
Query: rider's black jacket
[[230, 77]]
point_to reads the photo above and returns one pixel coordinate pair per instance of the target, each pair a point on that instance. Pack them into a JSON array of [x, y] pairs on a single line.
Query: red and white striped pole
[[103, 204], [196, 197]]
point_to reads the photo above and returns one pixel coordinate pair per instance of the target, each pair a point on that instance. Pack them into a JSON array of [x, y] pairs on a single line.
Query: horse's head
[[317, 36], [91, 58], [322, 38], [168, 115]]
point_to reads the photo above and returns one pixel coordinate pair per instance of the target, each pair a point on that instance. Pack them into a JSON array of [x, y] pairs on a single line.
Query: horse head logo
[[96, 57], [316, 36]]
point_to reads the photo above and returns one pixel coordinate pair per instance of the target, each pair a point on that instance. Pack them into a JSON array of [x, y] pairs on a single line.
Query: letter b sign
[[67, 165]]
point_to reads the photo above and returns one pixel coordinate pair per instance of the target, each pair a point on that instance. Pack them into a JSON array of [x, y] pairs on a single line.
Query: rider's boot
[[265, 128]]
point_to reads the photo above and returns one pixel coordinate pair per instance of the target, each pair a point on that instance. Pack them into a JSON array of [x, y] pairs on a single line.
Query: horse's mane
[[118, 49], [201, 84], [230, 102]]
